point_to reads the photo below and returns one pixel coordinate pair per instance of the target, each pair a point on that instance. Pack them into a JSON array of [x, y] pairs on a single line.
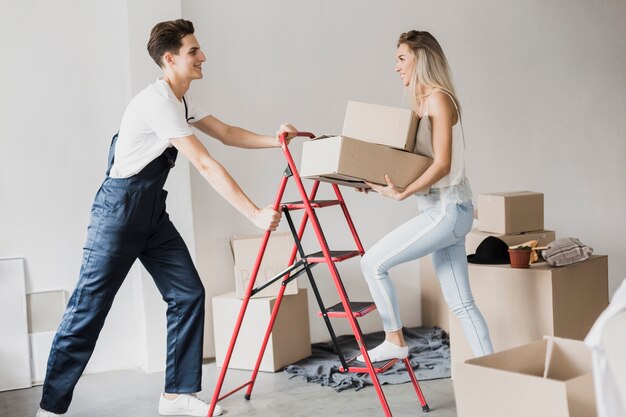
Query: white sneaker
[[43, 413], [186, 405], [385, 352]]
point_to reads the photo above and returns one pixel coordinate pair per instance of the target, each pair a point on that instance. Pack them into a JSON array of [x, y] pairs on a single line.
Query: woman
[[446, 211]]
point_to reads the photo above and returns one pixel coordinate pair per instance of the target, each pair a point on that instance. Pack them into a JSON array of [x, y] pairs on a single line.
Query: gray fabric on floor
[[429, 355]]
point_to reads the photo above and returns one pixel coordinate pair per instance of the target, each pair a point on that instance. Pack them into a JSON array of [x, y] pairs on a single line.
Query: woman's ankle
[[396, 338]]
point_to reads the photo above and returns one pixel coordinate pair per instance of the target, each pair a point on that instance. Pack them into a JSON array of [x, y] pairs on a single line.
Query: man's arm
[[217, 176], [239, 137]]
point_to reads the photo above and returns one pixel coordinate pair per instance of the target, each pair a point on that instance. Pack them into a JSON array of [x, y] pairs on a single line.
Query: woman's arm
[[239, 137], [216, 175], [442, 114]]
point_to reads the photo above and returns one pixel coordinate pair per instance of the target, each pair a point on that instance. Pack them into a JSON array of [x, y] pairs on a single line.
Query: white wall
[[63, 93], [73, 68], [541, 85], [541, 80]]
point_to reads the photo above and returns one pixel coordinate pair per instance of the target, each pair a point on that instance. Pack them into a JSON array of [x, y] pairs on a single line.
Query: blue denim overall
[[129, 221]]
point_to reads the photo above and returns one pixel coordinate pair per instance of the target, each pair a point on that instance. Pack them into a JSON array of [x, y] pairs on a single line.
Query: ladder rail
[[279, 297], [356, 329], [244, 304]]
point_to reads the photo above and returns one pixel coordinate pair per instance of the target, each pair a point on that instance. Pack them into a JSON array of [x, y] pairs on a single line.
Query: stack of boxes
[[290, 339], [527, 375], [514, 217], [375, 140], [524, 305]]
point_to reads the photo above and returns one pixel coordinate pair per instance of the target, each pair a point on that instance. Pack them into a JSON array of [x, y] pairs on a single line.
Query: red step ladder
[[345, 309]]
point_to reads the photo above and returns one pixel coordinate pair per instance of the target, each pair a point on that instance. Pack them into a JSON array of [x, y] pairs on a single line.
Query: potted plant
[[520, 256]]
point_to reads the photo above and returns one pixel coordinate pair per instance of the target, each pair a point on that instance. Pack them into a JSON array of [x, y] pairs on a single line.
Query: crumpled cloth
[[429, 355], [566, 251]]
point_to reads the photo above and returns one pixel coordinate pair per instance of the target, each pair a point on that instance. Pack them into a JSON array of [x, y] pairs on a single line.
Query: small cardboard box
[[384, 125], [245, 250], [338, 158], [289, 341], [546, 378], [435, 311], [510, 212], [523, 305]]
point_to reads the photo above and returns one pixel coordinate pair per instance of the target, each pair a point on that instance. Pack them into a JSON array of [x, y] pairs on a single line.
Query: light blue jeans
[[439, 231]]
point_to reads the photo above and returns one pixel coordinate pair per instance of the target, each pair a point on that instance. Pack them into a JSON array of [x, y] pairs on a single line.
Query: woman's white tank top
[[454, 187], [424, 146]]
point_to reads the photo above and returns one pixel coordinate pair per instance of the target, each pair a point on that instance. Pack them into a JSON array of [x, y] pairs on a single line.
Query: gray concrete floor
[[133, 393]]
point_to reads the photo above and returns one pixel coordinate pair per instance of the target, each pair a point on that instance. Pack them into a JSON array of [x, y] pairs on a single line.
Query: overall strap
[[111, 158], [186, 111]]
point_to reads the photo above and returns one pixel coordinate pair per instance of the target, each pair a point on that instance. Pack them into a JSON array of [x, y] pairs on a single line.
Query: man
[[129, 221]]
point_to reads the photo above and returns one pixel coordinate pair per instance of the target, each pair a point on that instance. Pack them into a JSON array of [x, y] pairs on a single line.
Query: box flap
[[527, 359], [567, 359], [341, 180], [325, 137], [513, 193]]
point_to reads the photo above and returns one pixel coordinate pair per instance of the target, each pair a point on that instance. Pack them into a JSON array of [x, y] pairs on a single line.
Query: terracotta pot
[[520, 258]]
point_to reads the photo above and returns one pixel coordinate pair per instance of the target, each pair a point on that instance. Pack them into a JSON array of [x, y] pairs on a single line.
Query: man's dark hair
[[167, 37]]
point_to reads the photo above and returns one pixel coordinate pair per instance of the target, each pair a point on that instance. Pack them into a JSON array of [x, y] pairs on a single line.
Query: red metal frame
[[307, 204]]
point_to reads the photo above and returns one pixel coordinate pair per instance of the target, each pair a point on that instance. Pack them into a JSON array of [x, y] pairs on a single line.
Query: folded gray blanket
[[429, 355]]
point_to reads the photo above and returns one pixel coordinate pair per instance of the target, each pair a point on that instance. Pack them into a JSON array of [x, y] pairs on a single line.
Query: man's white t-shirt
[[151, 120]]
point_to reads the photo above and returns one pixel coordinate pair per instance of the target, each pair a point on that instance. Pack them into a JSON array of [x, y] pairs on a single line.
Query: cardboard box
[[245, 250], [290, 340], [383, 125], [523, 305], [547, 378], [435, 311], [349, 160], [510, 212]]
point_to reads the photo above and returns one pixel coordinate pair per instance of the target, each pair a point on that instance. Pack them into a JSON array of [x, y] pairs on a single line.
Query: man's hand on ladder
[[267, 218]]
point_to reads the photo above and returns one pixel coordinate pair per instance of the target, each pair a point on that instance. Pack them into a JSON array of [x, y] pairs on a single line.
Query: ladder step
[[379, 367], [299, 205], [335, 256], [359, 309]]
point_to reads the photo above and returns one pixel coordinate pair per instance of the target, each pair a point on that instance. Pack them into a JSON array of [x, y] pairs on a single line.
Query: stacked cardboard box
[[510, 212], [289, 341], [523, 305], [245, 250], [375, 140], [514, 217], [435, 311]]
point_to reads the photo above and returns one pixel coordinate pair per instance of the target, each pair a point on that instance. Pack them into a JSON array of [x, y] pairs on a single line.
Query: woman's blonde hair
[[431, 66]]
